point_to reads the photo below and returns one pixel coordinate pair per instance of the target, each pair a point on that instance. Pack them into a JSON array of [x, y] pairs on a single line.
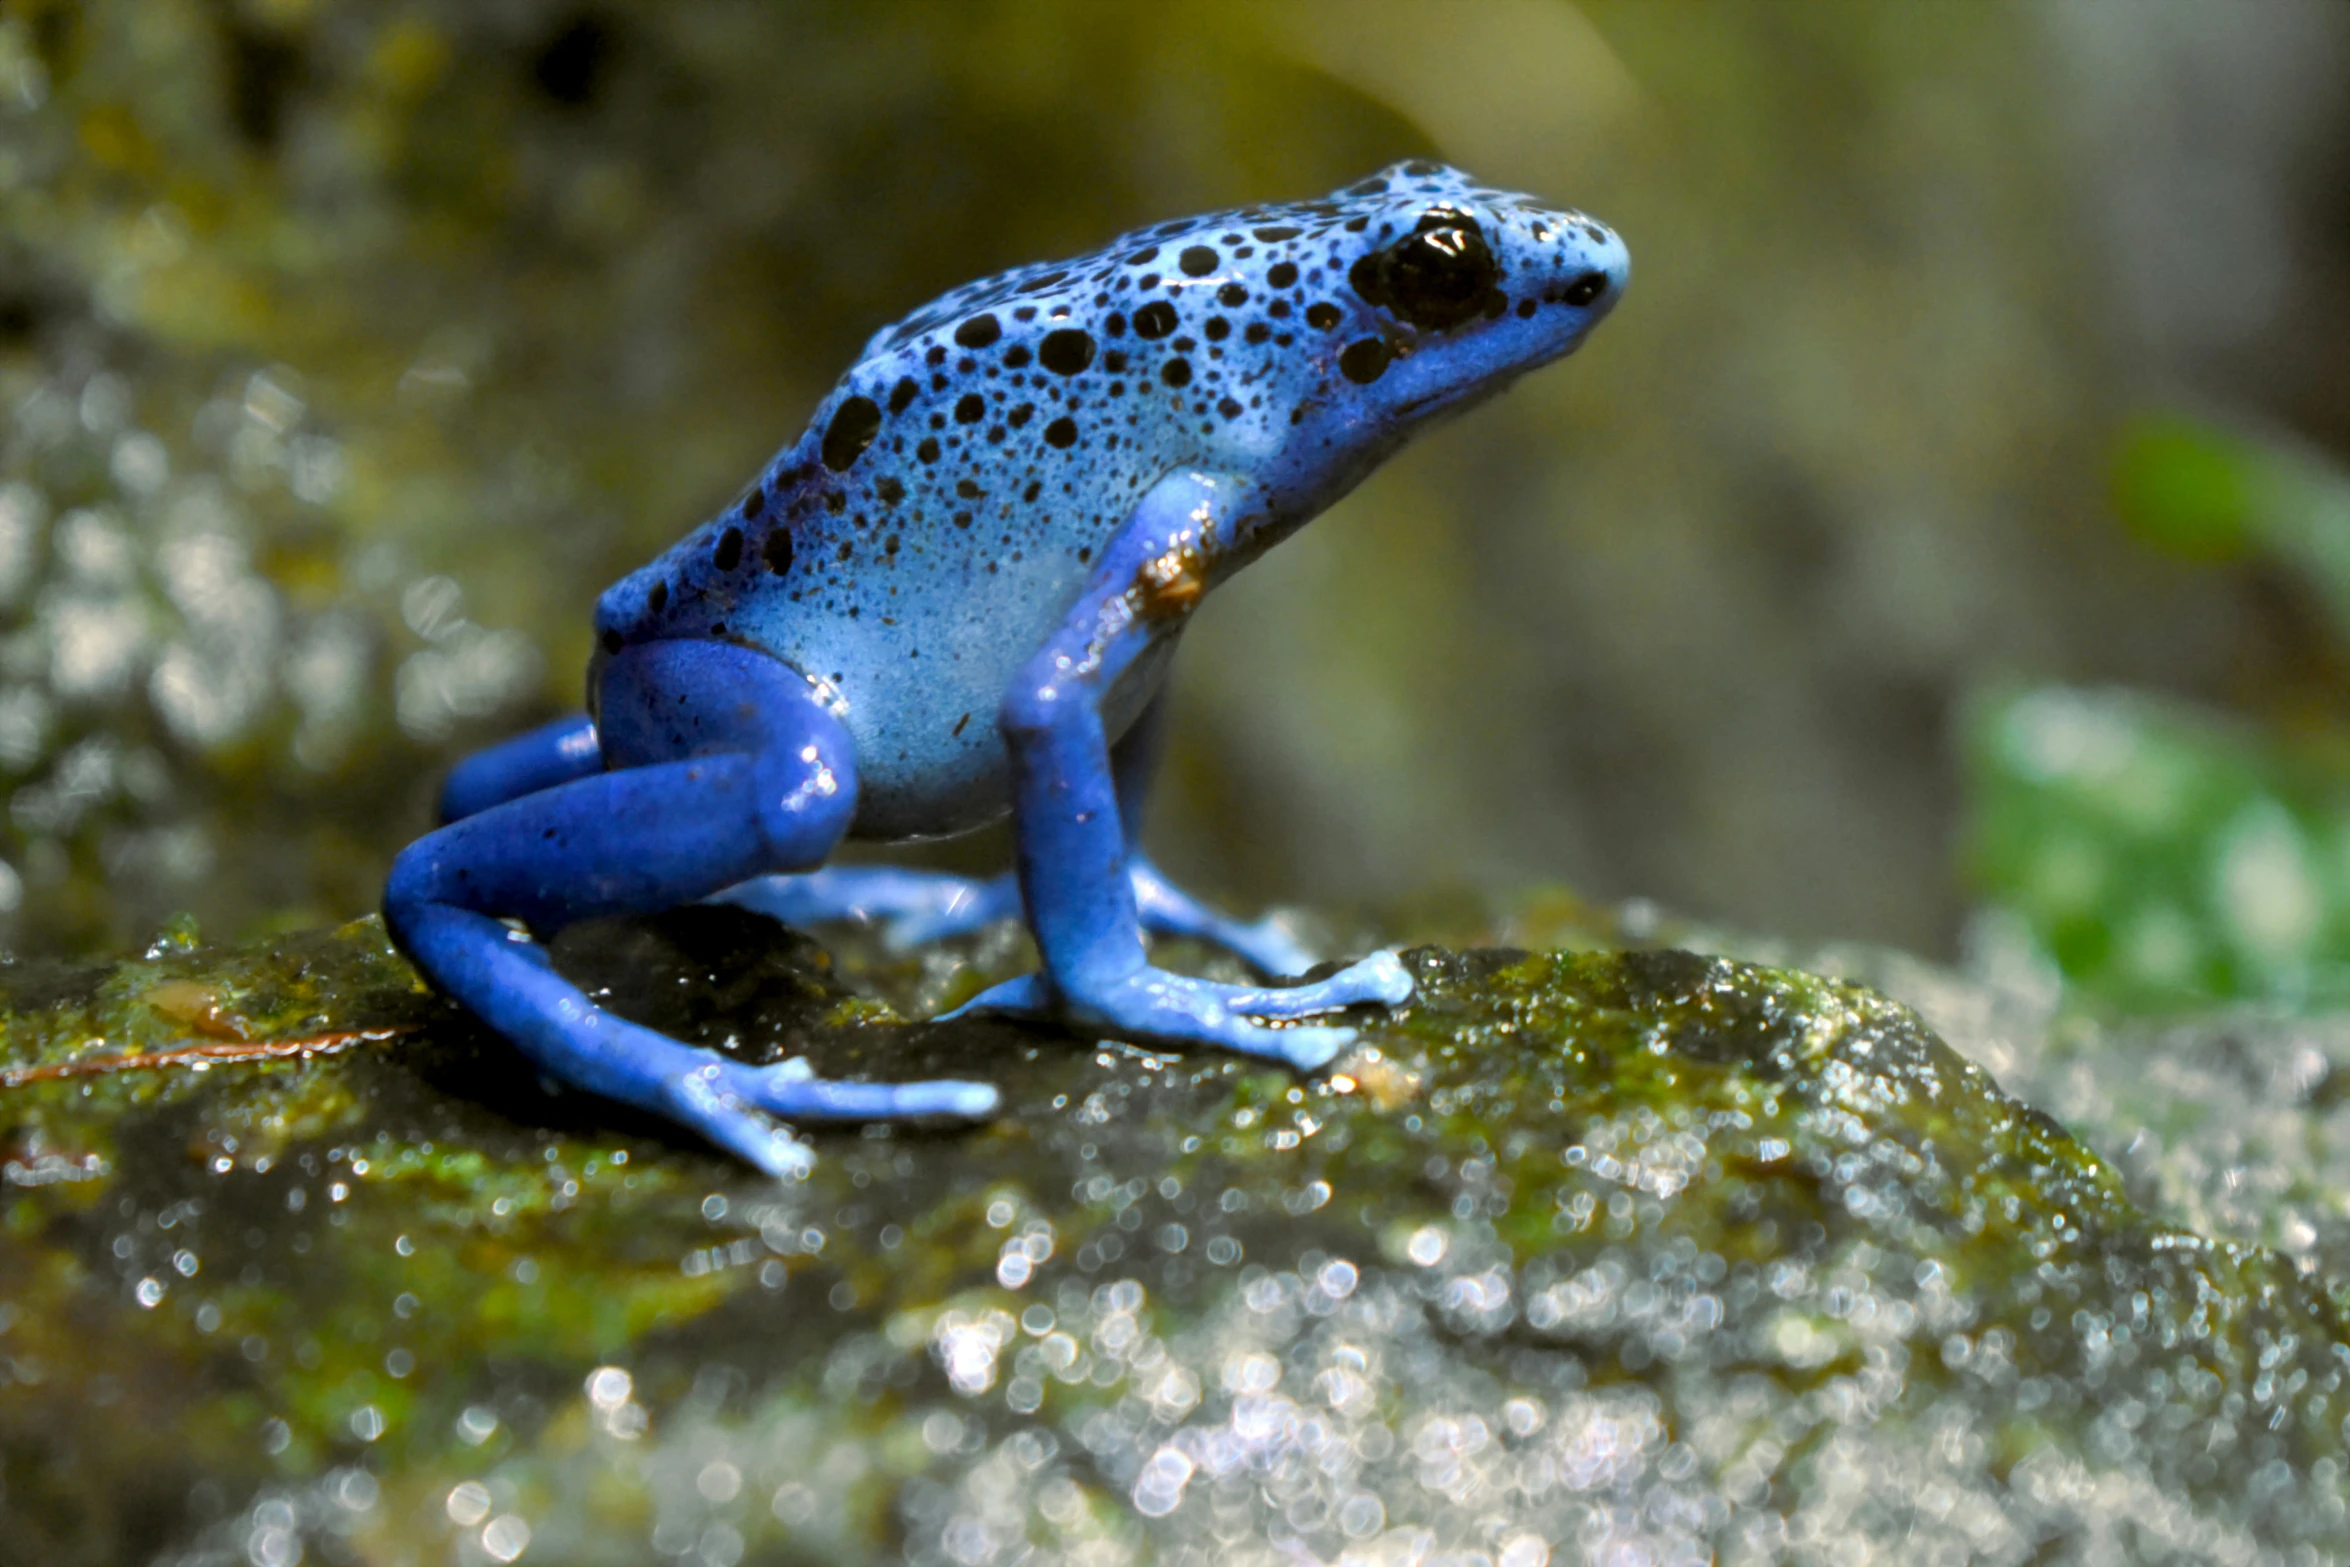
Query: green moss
[[1726, 1200]]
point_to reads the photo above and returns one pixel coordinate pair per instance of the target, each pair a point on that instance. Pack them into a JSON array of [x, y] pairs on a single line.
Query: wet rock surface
[[1586, 1255]]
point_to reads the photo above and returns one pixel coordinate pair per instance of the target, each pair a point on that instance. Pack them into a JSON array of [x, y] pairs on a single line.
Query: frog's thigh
[[549, 755], [723, 767], [738, 771]]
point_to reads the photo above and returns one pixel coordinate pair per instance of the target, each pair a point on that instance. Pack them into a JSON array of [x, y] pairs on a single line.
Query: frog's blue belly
[[914, 651]]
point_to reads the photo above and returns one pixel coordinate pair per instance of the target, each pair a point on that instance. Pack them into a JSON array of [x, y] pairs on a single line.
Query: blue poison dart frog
[[958, 593]]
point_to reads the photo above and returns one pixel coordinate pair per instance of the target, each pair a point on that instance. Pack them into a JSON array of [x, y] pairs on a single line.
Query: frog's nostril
[[1585, 288]]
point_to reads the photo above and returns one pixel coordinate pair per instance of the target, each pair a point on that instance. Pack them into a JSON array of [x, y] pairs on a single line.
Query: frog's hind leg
[[724, 767], [918, 907], [1164, 908], [549, 755]]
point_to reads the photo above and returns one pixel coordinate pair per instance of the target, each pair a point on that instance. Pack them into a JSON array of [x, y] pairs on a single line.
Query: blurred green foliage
[[2198, 489], [2163, 855], [2185, 487], [2166, 855]]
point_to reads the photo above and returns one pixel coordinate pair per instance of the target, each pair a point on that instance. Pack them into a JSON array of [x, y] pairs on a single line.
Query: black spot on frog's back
[[854, 424], [1065, 352], [1155, 320]]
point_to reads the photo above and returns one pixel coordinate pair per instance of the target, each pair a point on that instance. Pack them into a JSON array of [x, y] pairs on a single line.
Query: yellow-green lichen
[[1762, 1214]]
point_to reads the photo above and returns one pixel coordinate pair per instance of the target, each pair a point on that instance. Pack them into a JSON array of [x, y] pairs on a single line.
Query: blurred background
[[1946, 535]]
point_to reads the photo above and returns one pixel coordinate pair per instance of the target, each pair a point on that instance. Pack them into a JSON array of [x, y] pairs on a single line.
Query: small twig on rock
[[203, 1055]]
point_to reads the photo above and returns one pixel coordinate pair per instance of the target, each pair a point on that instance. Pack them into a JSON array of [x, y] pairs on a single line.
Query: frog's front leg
[[1072, 850], [1164, 908], [723, 766], [919, 907]]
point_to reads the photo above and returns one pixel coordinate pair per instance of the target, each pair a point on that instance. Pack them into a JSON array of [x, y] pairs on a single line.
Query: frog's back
[[942, 511]]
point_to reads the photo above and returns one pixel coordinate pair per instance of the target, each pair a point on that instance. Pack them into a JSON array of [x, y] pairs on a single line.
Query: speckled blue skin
[[958, 593]]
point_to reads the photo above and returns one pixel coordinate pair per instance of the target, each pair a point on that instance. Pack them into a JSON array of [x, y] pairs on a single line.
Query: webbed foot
[[730, 1104], [1155, 1004], [1268, 945], [915, 908]]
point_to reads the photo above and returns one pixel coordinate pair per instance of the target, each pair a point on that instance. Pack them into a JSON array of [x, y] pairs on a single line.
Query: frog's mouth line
[[1456, 399], [1476, 385], [1466, 393]]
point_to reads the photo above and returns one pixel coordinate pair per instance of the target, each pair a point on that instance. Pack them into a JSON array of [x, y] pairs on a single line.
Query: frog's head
[[1452, 290]]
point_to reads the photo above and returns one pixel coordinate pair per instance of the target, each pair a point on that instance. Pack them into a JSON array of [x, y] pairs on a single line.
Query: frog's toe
[[1268, 945], [736, 1107], [1027, 996], [1379, 978], [1182, 1010], [705, 1101], [791, 1088], [1177, 1009], [1307, 1048]]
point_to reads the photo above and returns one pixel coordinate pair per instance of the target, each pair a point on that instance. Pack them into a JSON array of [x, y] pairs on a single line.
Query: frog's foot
[[915, 908], [1155, 1004], [1268, 945], [730, 1104], [912, 907], [511, 986]]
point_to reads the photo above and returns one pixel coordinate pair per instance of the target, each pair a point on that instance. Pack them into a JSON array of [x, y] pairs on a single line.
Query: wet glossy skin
[[1016, 422], [958, 592]]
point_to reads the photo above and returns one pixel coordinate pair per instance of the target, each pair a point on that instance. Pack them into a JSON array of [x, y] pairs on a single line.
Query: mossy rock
[[1581, 1250]]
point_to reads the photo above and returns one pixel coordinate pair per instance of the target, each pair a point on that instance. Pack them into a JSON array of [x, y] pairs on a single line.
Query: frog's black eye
[[1438, 276], [1586, 288]]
